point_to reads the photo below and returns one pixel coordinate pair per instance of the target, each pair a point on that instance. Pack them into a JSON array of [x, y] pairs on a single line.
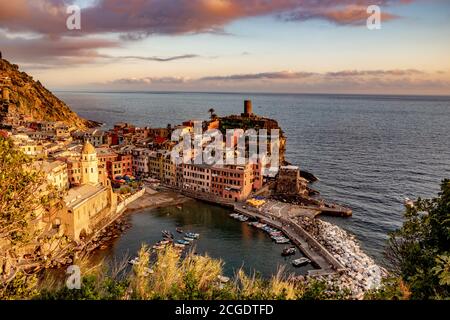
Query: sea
[[370, 152]]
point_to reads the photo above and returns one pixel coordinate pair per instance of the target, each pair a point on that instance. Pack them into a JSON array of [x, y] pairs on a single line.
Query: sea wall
[[121, 207], [317, 246]]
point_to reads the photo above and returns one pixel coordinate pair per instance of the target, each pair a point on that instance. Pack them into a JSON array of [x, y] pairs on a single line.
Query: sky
[[295, 46]]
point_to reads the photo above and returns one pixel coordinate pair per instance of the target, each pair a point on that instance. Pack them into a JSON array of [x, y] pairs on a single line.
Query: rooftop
[[47, 166], [76, 196], [88, 148]]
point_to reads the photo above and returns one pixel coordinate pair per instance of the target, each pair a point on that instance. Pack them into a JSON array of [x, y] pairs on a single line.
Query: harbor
[[236, 243]]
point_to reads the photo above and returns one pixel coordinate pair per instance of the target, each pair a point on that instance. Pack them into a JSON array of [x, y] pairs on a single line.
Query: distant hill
[[32, 98]]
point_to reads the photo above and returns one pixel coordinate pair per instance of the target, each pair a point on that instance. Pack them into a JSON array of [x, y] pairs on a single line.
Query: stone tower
[[89, 164]]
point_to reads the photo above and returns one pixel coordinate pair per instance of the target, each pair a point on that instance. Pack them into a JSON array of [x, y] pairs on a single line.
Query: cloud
[[359, 73], [160, 59], [136, 19], [282, 75], [44, 51], [148, 81], [285, 75], [343, 15], [346, 81]]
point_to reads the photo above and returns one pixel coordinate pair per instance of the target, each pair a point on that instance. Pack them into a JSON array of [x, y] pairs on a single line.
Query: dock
[[310, 247]]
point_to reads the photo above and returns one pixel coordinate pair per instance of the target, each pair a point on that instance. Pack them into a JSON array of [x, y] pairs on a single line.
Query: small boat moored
[[192, 235], [300, 262], [290, 251], [134, 261], [281, 240], [167, 234]]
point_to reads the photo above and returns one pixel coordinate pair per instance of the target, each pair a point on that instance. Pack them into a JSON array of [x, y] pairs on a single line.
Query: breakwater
[[360, 272]]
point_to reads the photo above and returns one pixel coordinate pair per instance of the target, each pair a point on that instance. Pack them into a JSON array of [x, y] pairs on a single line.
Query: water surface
[[370, 152]]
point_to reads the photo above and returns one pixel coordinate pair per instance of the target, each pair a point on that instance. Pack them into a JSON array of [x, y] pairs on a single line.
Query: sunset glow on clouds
[[232, 45]]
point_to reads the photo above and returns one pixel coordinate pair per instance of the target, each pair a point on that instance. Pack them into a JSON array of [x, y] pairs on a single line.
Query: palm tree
[[211, 112]]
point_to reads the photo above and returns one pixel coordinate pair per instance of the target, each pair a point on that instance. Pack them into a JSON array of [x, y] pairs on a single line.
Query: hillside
[[32, 98]]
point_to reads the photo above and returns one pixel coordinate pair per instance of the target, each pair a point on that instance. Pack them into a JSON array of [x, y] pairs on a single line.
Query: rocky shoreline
[[103, 238], [361, 271]]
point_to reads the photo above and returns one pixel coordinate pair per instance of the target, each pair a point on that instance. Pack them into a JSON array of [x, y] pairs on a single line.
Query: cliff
[[32, 98]]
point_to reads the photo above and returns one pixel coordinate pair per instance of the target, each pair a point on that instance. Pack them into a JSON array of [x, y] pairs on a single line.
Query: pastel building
[[234, 182], [56, 173], [89, 205], [141, 162], [197, 177], [229, 182]]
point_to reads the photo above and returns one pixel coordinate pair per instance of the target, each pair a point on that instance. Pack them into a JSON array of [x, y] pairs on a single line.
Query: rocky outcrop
[[31, 98]]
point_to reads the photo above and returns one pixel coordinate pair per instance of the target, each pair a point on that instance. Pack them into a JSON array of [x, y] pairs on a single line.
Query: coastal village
[[103, 171]]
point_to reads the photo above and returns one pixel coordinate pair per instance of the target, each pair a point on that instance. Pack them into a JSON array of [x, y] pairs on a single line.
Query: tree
[[24, 195], [212, 113], [419, 252]]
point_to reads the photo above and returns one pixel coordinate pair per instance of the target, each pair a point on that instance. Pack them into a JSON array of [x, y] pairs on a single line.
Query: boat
[[134, 261], [179, 230], [179, 245], [233, 215], [185, 242], [192, 235], [300, 262], [189, 239], [243, 219], [282, 240], [288, 251], [276, 234], [167, 234], [159, 247]]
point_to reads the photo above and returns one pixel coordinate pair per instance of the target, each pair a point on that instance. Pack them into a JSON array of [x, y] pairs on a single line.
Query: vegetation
[[23, 196], [31, 97], [194, 277], [419, 252], [212, 114]]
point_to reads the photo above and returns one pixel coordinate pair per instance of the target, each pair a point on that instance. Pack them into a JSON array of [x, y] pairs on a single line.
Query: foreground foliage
[[192, 277], [419, 252], [24, 195]]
